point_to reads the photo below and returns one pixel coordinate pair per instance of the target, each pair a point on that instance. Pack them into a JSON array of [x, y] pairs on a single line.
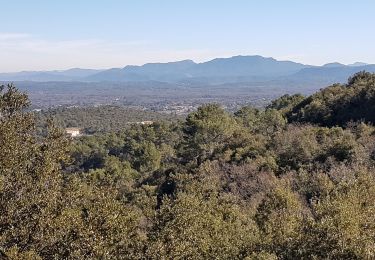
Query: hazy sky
[[45, 35]]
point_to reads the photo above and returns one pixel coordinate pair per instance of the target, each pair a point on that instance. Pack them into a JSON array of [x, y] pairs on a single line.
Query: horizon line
[[181, 60]]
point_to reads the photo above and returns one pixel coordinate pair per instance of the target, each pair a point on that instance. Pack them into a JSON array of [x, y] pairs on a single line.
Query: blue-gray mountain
[[221, 70], [74, 74], [236, 69]]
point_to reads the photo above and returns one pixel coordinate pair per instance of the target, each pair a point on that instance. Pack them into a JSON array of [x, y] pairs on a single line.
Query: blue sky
[[45, 35]]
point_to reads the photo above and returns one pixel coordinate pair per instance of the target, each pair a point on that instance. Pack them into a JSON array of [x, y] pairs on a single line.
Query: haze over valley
[[180, 87]]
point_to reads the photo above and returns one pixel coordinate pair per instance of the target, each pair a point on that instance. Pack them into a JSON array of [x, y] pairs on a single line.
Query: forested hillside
[[293, 181], [339, 104]]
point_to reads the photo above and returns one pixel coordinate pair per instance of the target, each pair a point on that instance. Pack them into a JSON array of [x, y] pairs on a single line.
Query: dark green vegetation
[[272, 184], [338, 104]]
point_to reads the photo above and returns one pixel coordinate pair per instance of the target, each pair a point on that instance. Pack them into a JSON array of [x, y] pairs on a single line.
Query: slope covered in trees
[[340, 104], [248, 185]]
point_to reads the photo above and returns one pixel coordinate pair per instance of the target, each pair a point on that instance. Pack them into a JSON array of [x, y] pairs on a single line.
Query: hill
[[170, 71], [339, 104]]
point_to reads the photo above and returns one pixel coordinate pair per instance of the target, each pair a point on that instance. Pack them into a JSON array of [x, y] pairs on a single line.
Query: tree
[[30, 177], [286, 103], [280, 217], [192, 227], [206, 133], [344, 217]]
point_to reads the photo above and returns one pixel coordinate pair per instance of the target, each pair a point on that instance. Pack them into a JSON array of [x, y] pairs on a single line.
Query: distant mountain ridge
[[225, 68], [217, 71], [75, 74]]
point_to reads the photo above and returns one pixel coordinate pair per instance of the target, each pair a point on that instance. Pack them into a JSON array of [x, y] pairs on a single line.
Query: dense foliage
[[98, 119], [339, 104], [216, 186]]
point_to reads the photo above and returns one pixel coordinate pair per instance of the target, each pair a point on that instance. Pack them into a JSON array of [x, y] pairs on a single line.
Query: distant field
[[157, 96]]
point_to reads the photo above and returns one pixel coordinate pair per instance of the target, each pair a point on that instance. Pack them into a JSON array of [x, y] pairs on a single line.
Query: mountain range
[[217, 71]]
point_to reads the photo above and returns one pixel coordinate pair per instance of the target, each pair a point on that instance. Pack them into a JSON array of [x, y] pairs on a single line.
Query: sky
[[55, 35]]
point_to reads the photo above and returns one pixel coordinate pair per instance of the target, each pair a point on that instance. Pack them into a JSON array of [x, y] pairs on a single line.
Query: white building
[[146, 123], [73, 131]]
